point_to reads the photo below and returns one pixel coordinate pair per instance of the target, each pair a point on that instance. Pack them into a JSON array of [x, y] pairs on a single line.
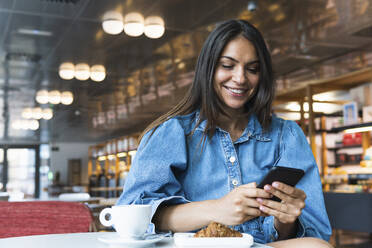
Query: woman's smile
[[236, 92]]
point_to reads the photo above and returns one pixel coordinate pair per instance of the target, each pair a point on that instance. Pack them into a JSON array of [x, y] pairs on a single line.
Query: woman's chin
[[235, 107]]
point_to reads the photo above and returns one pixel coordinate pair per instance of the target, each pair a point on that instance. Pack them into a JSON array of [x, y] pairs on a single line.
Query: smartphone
[[287, 175]]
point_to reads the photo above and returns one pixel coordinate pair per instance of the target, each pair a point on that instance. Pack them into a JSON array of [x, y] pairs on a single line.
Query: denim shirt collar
[[253, 129]]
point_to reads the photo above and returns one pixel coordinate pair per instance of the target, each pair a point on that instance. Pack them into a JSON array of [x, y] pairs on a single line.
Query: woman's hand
[[288, 210], [240, 205], [285, 212]]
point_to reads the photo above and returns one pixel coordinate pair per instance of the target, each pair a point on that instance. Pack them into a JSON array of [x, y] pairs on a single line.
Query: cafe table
[[78, 240]]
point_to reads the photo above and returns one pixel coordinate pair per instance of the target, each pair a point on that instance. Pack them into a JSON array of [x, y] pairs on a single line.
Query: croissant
[[215, 229]]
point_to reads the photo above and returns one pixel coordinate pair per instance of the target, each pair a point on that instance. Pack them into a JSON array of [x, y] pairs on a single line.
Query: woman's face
[[237, 73]]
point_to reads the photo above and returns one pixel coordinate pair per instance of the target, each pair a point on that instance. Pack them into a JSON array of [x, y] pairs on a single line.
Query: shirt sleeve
[[295, 152], [152, 178]]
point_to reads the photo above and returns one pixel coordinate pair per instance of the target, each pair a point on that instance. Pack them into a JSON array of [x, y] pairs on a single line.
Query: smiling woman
[[212, 148]]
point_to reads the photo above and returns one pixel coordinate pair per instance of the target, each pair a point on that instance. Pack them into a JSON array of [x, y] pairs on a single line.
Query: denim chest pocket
[[265, 151]]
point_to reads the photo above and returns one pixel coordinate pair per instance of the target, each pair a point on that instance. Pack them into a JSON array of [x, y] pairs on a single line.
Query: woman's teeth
[[236, 91]]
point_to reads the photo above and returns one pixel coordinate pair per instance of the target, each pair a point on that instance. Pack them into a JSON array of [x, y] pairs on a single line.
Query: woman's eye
[[227, 66], [253, 70]]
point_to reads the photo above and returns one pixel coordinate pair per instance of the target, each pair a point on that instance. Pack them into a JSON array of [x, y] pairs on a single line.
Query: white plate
[[188, 240], [117, 241]]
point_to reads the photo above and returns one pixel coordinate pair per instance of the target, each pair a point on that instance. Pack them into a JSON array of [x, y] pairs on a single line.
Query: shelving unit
[[338, 173], [304, 93], [108, 165]]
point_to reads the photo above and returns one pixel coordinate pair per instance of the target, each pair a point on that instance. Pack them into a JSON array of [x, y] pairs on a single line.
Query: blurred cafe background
[[80, 80]]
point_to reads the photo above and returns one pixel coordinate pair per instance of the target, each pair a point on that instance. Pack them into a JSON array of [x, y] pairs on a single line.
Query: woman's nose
[[239, 75]]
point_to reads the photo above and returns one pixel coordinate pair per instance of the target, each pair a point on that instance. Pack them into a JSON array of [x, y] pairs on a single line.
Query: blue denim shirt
[[171, 167]]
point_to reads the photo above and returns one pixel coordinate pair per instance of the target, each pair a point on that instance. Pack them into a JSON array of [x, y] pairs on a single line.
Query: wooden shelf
[[342, 164], [105, 188], [112, 157], [344, 147], [343, 82], [355, 169], [339, 129]]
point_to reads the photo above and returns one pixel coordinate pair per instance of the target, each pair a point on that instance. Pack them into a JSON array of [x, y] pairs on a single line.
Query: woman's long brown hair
[[202, 96]]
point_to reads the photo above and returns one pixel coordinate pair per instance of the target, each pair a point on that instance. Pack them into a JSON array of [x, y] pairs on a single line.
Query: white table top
[[71, 240], [78, 240]]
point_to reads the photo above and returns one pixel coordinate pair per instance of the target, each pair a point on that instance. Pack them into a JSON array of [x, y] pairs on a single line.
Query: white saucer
[[118, 241]]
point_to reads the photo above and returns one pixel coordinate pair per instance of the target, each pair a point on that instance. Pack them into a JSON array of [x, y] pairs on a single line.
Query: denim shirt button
[[235, 182], [232, 159]]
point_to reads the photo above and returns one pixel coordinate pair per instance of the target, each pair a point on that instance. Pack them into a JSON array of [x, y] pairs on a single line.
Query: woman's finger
[[282, 217], [289, 190], [275, 192], [254, 192], [290, 194], [280, 206]]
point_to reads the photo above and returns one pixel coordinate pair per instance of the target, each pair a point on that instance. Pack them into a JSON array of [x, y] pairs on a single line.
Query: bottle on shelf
[[111, 183], [102, 182], [93, 183], [122, 175]]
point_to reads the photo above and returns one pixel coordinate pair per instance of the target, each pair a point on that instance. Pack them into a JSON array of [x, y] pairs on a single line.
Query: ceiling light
[[37, 113], [27, 113], [66, 70], [67, 97], [134, 24], [24, 124], [33, 125], [42, 97], [16, 125], [252, 6], [154, 27], [34, 32], [112, 22], [97, 73], [54, 97], [47, 113], [82, 71]]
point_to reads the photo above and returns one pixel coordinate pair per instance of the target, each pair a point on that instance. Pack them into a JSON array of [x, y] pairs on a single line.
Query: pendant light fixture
[[66, 70], [27, 113], [82, 71], [154, 27], [134, 24], [67, 97], [33, 125], [112, 22], [42, 97], [47, 113], [54, 97], [37, 113], [97, 73]]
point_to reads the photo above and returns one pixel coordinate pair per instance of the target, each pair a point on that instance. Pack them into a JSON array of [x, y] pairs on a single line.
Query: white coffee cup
[[129, 221]]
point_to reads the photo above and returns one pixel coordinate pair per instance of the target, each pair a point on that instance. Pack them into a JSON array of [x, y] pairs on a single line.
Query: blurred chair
[[44, 217]]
